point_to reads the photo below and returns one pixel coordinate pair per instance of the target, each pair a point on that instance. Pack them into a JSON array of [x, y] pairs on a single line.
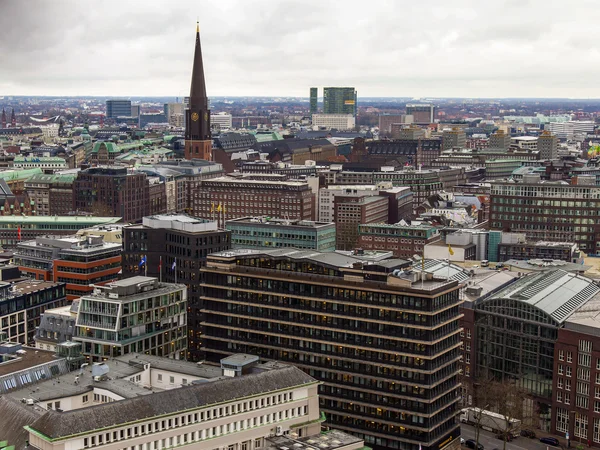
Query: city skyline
[[264, 49]]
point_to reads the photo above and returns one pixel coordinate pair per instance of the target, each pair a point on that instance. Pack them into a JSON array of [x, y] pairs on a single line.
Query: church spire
[[3, 118], [13, 120], [198, 87], [198, 141]]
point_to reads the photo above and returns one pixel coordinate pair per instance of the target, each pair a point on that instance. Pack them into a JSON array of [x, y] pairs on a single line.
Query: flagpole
[[160, 270], [175, 270], [145, 265]]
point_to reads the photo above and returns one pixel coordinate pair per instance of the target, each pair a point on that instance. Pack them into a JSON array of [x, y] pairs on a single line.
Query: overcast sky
[[393, 48]]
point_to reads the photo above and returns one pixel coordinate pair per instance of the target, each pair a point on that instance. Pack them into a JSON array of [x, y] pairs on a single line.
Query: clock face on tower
[[195, 116]]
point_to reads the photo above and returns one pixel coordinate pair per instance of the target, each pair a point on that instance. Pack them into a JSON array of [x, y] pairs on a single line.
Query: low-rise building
[[268, 232], [78, 261], [51, 195], [137, 314], [337, 121], [46, 163], [402, 239]]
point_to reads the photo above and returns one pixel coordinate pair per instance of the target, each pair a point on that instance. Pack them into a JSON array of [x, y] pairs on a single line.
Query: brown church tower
[[198, 142]]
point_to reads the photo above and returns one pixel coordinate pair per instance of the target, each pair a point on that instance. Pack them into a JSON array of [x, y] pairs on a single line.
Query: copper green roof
[[19, 174], [111, 147]]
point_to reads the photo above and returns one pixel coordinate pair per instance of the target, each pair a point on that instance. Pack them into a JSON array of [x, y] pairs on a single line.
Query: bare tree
[[506, 398]]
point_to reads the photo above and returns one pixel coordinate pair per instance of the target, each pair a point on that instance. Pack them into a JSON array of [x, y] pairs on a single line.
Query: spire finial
[[198, 25]]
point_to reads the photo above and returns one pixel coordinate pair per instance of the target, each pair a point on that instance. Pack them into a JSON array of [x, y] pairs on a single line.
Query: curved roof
[[556, 293]]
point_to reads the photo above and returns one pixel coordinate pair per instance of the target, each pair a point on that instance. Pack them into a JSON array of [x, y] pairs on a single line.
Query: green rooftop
[[110, 146], [58, 220], [19, 174]]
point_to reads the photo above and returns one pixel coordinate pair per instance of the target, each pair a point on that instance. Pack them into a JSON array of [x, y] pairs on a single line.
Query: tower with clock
[[198, 141]]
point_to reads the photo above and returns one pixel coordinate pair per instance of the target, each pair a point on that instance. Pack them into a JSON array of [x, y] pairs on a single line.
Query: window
[[585, 359], [172, 380], [561, 369], [596, 436], [468, 333], [585, 346], [159, 377], [562, 420], [597, 407], [559, 396], [568, 371], [84, 399], [561, 355], [184, 381], [581, 424], [567, 398], [583, 374], [567, 384], [468, 358], [559, 383], [582, 402], [569, 357]]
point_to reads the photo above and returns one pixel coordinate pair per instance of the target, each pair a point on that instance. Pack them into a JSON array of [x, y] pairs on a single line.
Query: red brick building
[[351, 211]]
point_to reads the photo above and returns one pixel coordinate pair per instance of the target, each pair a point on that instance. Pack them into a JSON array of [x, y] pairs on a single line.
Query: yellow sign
[[195, 116], [447, 441], [348, 102]]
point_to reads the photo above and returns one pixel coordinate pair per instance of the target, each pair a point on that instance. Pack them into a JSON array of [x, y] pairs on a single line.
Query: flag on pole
[[212, 207], [19, 233], [219, 208], [160, 264], [142, 261], [174, 264], [450, 250]]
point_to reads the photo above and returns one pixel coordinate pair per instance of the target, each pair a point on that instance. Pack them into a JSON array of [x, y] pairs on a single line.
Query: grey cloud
[[263, 47]]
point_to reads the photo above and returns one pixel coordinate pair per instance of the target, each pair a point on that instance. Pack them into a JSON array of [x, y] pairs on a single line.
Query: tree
[[506, 399]]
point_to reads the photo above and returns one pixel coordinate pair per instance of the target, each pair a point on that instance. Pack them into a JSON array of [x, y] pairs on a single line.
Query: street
[[489, 441]]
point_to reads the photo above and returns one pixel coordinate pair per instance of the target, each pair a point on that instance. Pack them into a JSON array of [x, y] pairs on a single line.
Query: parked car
[[462, 441], [504, 437], [470, 443], [528, 433], [550, 441]]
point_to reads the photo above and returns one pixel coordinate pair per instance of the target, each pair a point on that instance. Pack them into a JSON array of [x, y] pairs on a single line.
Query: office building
[[14, 229], [183, 242], [517, 329], [244, 196], [78, 261], [499, 140], [402, 239], [411, 148], [22, 304], [137, 314], [550, 211], [454, 138], [547, 145], [423, 114], [221, 120], [52, 195], [268, 232], [152, 118], [314, 99], [118, 108], [174, 112], [112, 191], [387, 120], [571, 129], [340, 122], [198, 142], [339, 100], [135, 110], [525, 142], [160, 403], [351, 211], [384, 344]]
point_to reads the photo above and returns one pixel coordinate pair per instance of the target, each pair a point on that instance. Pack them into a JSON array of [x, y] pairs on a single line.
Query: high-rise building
[[499, 139], [175, 112], [198, 142], [455, 137], [183, 242], [118, 108], [138, 314], [423, 114], [351, 211], [547, 145], [112, 191], [339, 100], [78, 261], [314, 100], [384, 343], [387, 120], [550, 211], [135, 110]]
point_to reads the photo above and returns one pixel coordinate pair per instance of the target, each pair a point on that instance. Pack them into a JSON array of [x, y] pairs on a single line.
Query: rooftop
[[556, 293], [330, 440], [30, 358], [538, 265], [58, 220], [55, 424], [181, 222], [266, 220], [233, 180]]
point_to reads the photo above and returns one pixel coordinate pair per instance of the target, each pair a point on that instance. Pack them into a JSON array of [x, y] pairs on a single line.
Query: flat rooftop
[[330, 440], [33, 357]]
